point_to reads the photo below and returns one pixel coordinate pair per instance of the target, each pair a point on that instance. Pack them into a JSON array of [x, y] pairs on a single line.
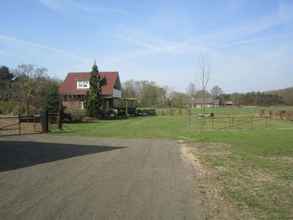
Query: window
[[83, 84]]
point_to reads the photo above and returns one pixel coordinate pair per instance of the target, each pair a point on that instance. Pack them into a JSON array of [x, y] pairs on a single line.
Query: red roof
[[69, 86]]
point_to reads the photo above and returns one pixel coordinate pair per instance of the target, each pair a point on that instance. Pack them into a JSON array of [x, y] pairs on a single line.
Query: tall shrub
[[94, 95], [51, 103]]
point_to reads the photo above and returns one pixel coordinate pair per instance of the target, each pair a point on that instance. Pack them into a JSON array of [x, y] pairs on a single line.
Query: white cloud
[[141, 53], [72, 5], [236, 53], [17, 51], [52, 4], [43, 47], [145, 45], [281, 16], [243, 34], [235, 5]]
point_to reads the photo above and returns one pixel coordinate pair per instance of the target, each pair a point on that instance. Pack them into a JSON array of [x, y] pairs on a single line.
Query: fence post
[[126, 108], [34, 125], [60, 117], [266, 121], [19, 124], [230, 122], [189, 116], [44, 122]]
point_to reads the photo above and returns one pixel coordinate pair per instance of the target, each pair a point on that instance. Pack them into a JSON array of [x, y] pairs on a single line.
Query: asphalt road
[[48, 177]]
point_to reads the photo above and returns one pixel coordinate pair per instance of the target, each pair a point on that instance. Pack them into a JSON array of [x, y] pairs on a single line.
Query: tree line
[[254, 99], [150, 94], [27, 89], [286, 94]]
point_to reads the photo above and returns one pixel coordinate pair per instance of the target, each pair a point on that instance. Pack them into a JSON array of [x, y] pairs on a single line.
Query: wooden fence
[[30, 124], [19, 125]]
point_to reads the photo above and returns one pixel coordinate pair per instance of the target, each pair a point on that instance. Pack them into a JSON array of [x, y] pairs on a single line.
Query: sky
[[248, 44]]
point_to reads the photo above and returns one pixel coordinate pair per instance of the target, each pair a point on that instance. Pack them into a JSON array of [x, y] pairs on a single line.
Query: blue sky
[[248, 43]]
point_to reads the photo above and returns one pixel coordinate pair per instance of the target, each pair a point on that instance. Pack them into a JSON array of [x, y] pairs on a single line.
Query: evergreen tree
[[94, 99], [5, 83], [5, 73], [51, 103]]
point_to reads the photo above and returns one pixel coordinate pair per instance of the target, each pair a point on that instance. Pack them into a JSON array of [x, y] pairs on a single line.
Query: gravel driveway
[[57, 177]]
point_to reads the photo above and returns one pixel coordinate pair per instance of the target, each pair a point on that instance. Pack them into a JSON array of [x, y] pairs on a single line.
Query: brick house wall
[[75, 105]]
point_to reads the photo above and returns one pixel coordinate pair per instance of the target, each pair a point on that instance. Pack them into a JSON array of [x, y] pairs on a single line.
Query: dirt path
[[48, 177]]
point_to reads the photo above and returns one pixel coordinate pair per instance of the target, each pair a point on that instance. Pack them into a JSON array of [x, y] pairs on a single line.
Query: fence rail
[[227, 122], [18, 125]]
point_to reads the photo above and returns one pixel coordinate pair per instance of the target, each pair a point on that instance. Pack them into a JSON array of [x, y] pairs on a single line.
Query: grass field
[[255, 166]]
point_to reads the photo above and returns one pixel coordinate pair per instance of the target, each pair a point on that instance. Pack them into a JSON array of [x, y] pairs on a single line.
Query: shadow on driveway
[[18, 154]]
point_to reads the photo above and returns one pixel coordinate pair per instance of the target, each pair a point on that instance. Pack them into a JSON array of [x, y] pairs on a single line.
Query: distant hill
[[286, 94]]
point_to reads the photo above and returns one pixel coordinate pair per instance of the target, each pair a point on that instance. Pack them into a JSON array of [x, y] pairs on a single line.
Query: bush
[[76, 115], [146, 112]]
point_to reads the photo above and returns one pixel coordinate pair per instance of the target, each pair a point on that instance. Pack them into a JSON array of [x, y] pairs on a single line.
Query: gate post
[[60, 117], [19, 124], [44, 121]]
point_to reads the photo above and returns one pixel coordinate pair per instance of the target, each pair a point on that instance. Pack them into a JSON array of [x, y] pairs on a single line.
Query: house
[[76, 85], [228, 103], [205, 102]]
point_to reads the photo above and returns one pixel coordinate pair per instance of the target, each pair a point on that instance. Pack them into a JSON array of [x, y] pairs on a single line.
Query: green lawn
[[257, 171]]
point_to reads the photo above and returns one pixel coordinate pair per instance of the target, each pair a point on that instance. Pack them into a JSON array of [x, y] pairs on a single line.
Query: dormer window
[[83, 84]]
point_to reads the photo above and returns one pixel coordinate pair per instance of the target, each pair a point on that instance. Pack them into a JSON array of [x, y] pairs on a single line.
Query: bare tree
[[30, 87], [204, 69], [148, 93], [191, 92]]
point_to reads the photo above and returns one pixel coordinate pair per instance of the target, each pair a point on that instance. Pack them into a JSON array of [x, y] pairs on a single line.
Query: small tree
[[216, 91], [94, 99], [204, 69]]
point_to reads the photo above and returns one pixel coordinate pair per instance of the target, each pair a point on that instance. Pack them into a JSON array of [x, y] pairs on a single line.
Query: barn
[[205, 102]]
